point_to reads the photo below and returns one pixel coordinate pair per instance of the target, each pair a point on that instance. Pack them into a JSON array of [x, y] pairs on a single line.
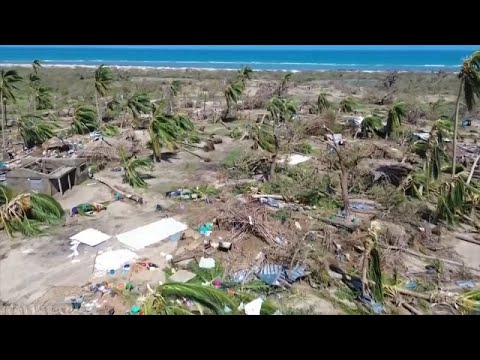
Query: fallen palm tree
[[26, 213]]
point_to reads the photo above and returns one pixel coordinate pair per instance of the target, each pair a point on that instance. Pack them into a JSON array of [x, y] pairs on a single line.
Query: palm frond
[[8, 81], [375, 275], [322, 102], [35, 130], [110, 130], [131, 174], [455, 198], [175, 87], [348, 105], [210, 297], [371, 124], [139, 103], [84, 119], [264, 138], [103, 79], [26, 213], [281, 110]]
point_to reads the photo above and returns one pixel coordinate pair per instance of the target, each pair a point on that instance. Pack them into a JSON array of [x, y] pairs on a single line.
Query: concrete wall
[[23, 184], [23, 179]]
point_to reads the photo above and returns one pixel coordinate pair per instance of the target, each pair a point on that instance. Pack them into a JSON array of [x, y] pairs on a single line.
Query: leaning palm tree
[[244, 74], [395, 116], [348, 105], [34, 129], [232, 93], [36, 66], [469, 76], [103, 80], [322, 102], [138, 104], [172, 92], [8, 81], [283, 86], [163, 132], [84, 120]]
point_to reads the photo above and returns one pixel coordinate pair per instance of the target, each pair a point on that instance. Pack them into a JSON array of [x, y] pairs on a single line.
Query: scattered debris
[[467, 284], [254, 307]]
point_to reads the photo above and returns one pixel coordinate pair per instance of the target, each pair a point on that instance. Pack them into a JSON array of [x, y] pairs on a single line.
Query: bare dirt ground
[[29, 268]]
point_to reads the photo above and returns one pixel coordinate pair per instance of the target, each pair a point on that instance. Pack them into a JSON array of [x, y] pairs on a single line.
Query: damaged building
[[48, 175]]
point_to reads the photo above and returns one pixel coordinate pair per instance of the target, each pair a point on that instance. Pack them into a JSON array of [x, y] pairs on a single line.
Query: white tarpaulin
[[294, 159], [152, 233], [114, 260], [90, 237]]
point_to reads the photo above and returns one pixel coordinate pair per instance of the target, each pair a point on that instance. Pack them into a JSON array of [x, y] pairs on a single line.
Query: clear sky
[[284, 47]]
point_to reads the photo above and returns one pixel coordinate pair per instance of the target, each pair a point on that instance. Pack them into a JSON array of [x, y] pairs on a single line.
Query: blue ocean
[[285, 58]]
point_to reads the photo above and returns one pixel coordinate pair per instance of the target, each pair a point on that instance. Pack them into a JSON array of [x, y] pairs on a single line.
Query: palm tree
[[244, 74], [371, 124], [322, 102], [36, 66], [33, 85], [131, 174], [281, 110], [283, 87], [348, 105], [232, 93], [138, 104], [163, 132], [103, 80], [173, 90], [469, 76], [236, 88], [84, 120], [396, 114], [34, 129], [44, 99], [8, 80], [433, 151]]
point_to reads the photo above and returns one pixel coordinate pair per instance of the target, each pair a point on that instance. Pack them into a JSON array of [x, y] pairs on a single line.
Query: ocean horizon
[[292, 58]]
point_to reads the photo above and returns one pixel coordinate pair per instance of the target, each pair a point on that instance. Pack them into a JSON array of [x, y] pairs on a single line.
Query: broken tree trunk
[[276, 197], [467, 239], [349, 227], [428, 257], [115, 188]]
